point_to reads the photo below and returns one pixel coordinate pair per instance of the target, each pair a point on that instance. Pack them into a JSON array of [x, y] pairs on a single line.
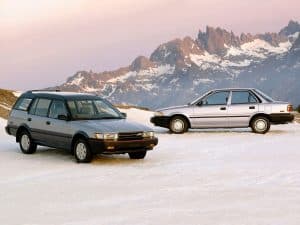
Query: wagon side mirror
[[124, 115], [63, 117]]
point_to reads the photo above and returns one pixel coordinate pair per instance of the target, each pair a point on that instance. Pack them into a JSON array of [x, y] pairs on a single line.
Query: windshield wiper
[[110, 117]]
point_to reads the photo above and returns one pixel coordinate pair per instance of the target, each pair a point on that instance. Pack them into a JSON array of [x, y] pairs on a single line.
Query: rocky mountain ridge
[[182, 69]]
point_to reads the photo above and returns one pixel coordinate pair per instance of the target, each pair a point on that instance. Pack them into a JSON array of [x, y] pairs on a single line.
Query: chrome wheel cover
[[261, 125], [81, 151], [25, 142], [177, 125]]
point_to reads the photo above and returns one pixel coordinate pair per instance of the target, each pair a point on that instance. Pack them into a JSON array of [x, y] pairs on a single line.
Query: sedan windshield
[[93, 109]]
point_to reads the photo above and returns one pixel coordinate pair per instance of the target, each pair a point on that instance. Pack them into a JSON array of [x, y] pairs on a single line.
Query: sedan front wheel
[[178, 125]]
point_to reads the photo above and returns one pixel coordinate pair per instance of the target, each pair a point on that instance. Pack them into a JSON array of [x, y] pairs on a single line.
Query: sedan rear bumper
[[281, 118], [120, 147]]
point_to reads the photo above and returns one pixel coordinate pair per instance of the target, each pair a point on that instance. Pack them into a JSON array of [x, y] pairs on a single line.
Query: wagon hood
[[113, 126], [172, 107]]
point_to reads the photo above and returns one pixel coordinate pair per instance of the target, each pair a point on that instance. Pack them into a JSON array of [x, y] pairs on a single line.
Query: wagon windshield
[[93, 109]]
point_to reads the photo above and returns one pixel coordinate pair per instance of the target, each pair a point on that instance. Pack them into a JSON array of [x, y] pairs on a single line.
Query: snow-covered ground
[[218, 177]]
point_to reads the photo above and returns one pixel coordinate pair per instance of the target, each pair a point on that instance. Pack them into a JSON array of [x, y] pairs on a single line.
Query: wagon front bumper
[[120, 147]]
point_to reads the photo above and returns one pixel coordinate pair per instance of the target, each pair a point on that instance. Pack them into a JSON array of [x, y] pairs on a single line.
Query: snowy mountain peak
[[187, 67], [141, 63], [291, 28], [215, 39], [176, 52]]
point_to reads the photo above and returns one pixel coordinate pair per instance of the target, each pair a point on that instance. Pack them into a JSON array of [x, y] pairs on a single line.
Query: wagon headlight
[[107, 136], [149, 134], [158, 114]]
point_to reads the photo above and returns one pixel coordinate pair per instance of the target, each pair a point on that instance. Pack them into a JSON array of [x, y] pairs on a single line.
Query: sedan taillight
[[289, 108]]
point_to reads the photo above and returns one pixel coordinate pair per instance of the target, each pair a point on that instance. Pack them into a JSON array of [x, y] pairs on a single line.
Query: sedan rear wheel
[[260, 125]]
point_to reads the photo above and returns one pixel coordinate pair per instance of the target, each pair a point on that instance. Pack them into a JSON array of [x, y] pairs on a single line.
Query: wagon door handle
[[29, 119], [48, 122], [223, 108], [251, 107]]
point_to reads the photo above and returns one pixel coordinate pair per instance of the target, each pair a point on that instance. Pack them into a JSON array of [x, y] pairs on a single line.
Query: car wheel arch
[[183, 116], [78, 135], [257, 115], [21, 128]]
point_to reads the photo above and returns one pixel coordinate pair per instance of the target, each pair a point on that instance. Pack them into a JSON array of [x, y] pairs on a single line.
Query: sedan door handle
[[223, 108], [48, 122], [29, 119], [251, 107]]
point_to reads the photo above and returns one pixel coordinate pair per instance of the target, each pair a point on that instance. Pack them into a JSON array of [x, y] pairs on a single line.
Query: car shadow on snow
[[222, 131], [44, 153], [115, 159]]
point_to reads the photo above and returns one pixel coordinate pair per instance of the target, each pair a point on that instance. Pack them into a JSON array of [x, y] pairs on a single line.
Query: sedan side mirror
[[200, 103], [63, 117], [124, 115]]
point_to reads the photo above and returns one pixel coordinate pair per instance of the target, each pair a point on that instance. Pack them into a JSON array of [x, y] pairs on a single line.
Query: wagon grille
[[130, 136]]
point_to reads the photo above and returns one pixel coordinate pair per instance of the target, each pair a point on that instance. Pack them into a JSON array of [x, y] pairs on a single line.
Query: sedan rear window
[[242, 97]]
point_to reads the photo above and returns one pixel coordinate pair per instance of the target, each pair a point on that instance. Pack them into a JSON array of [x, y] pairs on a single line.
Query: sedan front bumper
[[120, 147], [161, 121]]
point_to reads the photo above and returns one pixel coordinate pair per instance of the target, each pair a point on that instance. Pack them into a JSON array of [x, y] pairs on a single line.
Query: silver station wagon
[[226, 108], [81, 123]]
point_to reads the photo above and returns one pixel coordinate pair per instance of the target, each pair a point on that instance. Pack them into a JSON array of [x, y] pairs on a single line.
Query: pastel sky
[[44, 42]]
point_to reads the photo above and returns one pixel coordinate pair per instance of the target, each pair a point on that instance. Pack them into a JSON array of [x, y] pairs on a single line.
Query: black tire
[[137, 155], [178, 125], [27, 145], [82, 151], [260, 125]]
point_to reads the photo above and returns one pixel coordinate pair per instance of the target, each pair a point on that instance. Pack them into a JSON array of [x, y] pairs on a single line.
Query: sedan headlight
[[149, 134], [158, 114], [107, 136]]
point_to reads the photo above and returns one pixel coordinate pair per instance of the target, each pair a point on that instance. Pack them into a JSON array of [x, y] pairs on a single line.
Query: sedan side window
[[217, 98], [242, 97], [57, 108]]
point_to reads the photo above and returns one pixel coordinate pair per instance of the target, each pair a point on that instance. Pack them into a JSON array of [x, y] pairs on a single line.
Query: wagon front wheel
[[82, 151]]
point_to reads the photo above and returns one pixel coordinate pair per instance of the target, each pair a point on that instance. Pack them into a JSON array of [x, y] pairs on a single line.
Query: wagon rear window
[[23, 104]]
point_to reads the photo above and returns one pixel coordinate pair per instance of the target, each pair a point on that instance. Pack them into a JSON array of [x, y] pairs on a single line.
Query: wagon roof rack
[[44, 91]]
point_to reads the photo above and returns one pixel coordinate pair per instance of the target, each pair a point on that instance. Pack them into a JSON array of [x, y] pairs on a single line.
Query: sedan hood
[[172, 107], [113, 126]]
